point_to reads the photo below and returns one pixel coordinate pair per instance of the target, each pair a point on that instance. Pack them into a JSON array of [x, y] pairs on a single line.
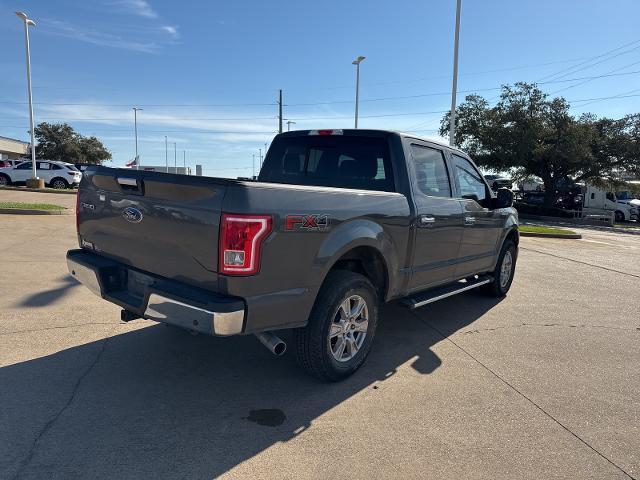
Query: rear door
[[160, 223], [438, 223], [482, 226]]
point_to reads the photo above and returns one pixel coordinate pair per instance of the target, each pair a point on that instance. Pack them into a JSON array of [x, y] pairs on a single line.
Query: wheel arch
[[361, 246]]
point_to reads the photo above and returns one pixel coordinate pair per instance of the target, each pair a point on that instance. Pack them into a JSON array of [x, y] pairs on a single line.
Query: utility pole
[[357, 63], [279, 114], [289, 123], [135, 128], [175, 158], [253, 165], [166, 154], [260, 157], [27, 21], [454, 87], [184, 161]]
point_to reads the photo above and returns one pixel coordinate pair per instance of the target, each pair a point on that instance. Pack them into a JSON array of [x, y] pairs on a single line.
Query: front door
[[482, 226], [438, 222], [22, 172]]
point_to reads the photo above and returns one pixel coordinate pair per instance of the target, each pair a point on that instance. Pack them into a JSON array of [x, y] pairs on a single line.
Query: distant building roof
[[13, 140]]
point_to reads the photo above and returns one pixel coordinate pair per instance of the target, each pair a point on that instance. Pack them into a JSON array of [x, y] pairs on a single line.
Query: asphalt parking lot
[[543, 384]]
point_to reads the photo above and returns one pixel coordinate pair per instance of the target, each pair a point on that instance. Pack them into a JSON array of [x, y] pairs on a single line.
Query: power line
[[572, 68], [428, 94]]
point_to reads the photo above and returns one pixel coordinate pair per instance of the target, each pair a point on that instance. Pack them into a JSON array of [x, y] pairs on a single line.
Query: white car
[[58, 175]]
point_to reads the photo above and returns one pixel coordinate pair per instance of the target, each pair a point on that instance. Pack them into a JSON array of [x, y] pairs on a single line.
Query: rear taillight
[[241, 238], [78, 212]]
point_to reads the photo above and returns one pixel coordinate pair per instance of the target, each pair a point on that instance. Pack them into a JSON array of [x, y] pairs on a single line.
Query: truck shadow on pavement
[[48, 297], [157, 402]]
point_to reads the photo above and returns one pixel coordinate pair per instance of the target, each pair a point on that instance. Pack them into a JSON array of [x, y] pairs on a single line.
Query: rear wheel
[[59, 183], [341, 328], [619, 216], [504, 271], [4, 180]]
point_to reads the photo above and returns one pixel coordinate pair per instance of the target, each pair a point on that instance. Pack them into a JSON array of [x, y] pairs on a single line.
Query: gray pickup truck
[[337, 222]]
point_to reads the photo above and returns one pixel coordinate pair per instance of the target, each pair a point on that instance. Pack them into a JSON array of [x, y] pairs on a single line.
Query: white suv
[[58, 175]]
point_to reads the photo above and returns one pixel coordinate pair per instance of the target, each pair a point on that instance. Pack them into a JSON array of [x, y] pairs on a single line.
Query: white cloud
[[141, 8], [64, 29], [172, 30]]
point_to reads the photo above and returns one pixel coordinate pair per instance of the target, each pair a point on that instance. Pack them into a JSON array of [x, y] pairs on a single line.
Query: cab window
[[431, 174], [469, 181]]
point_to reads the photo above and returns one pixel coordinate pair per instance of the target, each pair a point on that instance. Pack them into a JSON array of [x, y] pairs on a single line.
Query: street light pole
[[27, 21], [166, 154], [260, 157], [253, 165], [175, 158], [289, 123], [184, 161], [454, 87], [357, 62], [135, 127]]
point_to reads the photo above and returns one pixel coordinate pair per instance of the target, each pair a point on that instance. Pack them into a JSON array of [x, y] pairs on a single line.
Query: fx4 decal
[[313, 223]]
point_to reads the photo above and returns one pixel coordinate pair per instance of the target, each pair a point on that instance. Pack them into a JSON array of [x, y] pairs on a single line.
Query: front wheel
[[504, 271], [4, 180], [619, 216], [342, 324]]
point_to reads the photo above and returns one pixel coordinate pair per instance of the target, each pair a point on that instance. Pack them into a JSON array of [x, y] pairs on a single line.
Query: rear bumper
[[157, 298]]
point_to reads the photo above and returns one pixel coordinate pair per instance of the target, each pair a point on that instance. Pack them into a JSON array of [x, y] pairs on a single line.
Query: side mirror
[[504, 198]]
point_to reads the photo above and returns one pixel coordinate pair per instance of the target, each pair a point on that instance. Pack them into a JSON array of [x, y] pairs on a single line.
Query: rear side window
[[330, 161], [431, 171]]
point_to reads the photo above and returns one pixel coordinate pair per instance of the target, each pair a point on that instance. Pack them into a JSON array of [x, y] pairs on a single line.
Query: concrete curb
[[574, 236], [37, 190], [29, 211]]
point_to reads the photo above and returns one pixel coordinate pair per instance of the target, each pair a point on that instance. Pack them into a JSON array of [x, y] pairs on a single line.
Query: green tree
[[59, 141], [530, 134]]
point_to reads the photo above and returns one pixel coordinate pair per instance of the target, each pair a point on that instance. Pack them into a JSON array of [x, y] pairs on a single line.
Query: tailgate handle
[[129, 182], [131, 185]]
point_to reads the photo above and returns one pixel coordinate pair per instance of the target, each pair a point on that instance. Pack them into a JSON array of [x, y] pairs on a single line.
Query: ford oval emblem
[[132, 215]]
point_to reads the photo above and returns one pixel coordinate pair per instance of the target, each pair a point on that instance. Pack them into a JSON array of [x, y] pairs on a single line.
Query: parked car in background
[[10, 163], [58, 175], [498, 181]]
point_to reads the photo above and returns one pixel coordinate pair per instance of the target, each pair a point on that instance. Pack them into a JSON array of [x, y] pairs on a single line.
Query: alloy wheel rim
[[505, 269], [349, 328]]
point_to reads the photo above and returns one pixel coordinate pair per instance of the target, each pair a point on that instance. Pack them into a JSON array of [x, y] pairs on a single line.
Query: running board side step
[[438, 293]]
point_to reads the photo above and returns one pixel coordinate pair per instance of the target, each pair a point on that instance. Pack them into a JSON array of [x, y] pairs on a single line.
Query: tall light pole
[[289, 123], [253, 165], [27, 21], [454, 87], [357, 63], [175, 158], [135, 128], [166, 154], [184, 161], [260, 157]]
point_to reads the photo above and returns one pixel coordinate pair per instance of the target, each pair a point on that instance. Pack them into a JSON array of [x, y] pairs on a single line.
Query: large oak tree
[[528, 133], [59, 141]]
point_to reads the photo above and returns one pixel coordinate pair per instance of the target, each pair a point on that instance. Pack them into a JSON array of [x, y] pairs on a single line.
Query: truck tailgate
[[161, 223]]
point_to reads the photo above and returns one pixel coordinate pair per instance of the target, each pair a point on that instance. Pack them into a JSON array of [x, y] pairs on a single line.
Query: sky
[[207, 74]]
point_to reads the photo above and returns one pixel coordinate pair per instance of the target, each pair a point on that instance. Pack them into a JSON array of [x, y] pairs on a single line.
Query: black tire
[[619, 216], [312, 344], [59, 183], [4, 180], [498, 288]]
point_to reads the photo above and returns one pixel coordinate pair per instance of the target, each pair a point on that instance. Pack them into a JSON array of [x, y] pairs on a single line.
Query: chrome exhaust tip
[[273, 342]]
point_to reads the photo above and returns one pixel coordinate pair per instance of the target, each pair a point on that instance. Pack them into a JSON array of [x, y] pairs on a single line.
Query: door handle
[[469, 220], [426, 220]]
